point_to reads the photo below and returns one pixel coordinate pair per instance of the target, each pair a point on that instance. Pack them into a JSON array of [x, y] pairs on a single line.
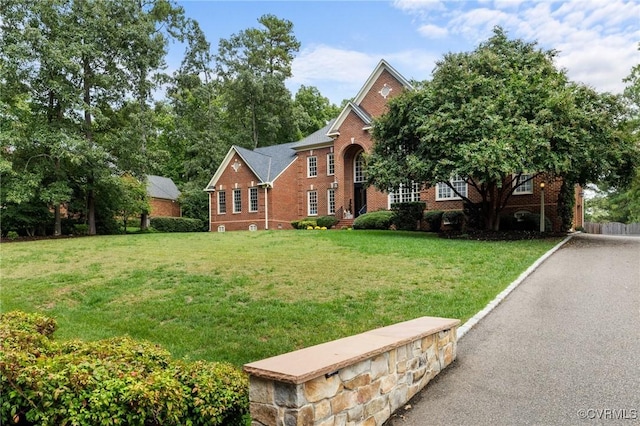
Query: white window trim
[[329, 203], [253, 190], [454, 196], [309, 203], [331, 161], [414, 195], [315, 170], [518, 190], [363, 174], [239, 191], [225, 202]]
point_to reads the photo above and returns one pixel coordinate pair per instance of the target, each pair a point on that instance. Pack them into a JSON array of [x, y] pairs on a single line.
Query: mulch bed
[[482, 235]]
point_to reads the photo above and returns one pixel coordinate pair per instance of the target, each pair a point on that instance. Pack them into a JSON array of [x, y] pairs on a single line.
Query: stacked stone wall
[[365, 392]]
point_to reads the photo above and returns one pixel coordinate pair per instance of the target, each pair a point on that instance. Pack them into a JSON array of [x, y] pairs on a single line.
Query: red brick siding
[[242, 179], [287, 201], [517, 202], [373, 102], [164, 208]]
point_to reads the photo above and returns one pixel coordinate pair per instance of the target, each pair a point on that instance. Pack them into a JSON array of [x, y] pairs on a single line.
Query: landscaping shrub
[[434, 219], [114, 381], [326, 221], [177, 224], [527, 222], [304, 223], [407, 215], [565, 206], [454, 218], [374, 220], [81, 229]]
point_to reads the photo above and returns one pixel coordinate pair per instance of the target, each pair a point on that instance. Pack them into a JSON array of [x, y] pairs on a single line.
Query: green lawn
[[243, 296]]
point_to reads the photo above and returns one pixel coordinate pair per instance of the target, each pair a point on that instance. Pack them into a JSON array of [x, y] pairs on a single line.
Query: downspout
[[209, 194], [266, 207], [266, 197]]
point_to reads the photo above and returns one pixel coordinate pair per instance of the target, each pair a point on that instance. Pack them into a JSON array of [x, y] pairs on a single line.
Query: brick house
[[163, 197], [323, 174]]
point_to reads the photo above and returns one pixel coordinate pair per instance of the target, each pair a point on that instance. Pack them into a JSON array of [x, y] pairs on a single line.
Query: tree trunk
[[86, 85], [91, 212], [57, 229], [144, 218]]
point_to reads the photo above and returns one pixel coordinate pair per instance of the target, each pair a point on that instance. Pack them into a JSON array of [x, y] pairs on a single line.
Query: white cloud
[[341, 73], [597, 40], [433, 31], [320, 62], [419, 5]]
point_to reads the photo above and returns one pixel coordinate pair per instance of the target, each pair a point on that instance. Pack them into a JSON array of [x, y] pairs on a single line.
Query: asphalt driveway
[[562, 348]]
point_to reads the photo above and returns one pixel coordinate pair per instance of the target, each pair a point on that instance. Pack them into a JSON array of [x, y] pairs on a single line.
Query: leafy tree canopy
[[494, 113]]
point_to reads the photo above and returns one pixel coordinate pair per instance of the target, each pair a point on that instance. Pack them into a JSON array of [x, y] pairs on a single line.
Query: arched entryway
[[359, 187], [354, 178]]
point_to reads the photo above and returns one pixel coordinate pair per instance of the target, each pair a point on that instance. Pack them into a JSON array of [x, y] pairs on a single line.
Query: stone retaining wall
[[358, 380]]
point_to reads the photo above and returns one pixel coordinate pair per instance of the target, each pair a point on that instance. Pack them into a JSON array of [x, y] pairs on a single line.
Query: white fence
[[612, 228]]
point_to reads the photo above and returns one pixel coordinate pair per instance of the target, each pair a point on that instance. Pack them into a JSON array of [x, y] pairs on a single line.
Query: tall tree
[[72, 63], [494, 113], [253, 66], [622, 203], [312, 110]]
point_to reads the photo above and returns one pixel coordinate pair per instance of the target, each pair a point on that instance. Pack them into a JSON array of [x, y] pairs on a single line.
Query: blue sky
[[342, 41]]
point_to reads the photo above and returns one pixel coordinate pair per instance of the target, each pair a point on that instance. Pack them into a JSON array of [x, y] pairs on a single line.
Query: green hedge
[[177, 224], [327, 221], [106, 382], [374, 220], [454, 218], [434, 219], [407, 215]]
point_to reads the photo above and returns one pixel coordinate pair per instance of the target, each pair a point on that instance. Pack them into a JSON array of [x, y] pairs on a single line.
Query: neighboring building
[[324, 173], [164, 195]]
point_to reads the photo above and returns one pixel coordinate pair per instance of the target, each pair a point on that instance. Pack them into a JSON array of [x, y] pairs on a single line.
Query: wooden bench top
[[305, 364]]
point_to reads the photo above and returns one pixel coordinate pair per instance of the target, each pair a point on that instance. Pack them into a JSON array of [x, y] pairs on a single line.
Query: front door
[[359, 189], [360, 199]]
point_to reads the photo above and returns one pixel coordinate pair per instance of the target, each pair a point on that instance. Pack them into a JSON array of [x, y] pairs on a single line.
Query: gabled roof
[[162, 187], [316, 139], [349, 107], [265, 163], [354, 105], [382, 66], [268, 162]]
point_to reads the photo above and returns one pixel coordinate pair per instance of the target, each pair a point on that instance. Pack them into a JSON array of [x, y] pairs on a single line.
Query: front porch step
[[344, 223]]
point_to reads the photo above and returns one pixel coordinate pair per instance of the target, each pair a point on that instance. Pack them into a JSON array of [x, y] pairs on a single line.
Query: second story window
[[312, 166], [331, 168]]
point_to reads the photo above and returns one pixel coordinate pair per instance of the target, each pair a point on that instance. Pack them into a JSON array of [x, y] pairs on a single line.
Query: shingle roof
[[316, 138], [162, 187], [269, 161]]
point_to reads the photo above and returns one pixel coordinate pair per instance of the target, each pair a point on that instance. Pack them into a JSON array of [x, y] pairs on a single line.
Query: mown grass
[[243, 296]]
